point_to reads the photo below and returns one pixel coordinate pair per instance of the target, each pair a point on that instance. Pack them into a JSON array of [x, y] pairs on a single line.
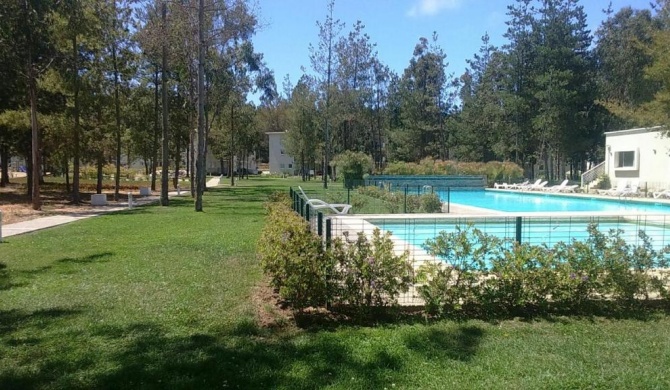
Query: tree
[[322, 61], [424, 105]]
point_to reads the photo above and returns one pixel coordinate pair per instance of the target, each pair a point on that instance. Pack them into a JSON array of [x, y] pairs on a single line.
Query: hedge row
[[479, 273]]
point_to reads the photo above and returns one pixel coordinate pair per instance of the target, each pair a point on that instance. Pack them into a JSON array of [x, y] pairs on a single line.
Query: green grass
[[161, 298]]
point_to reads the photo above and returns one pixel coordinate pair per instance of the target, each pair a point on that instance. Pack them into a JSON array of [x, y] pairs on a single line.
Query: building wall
[[280, 162], [651, 163]]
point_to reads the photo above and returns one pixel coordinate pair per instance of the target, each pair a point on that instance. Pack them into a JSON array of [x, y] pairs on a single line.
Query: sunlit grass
[[161, 298]]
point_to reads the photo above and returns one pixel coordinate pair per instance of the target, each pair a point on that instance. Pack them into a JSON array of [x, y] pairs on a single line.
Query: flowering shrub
[[370, 273], [306, 273], [295, 259], [395, 201], [503, 277]]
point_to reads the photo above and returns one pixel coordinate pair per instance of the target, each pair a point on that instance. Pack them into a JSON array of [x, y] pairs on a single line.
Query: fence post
[[307, 212], [319, 224], [405, 199], [290, 192], [328, 232], [348, 195], [302, 207], [448, 200], [518, 230]]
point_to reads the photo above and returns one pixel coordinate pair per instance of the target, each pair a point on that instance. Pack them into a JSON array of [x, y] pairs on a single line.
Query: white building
[[641, 155], [280, 162]]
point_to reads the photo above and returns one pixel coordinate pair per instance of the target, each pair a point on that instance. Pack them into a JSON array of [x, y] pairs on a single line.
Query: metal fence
[[411, 233]]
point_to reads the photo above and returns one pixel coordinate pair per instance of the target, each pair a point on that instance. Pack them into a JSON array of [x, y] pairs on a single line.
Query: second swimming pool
[[508, 201]]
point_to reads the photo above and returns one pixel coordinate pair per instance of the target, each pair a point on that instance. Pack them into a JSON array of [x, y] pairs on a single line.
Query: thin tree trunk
[[154, 159], [66, 169], [232, 143], [4, 165], [98, 184], [117, 111], [35, 146], [165, 162], [200, 163], [76, 165]]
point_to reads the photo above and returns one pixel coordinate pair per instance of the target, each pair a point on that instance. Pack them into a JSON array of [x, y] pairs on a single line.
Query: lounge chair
[[518, 185], [570, 188], [318, 204], [501, 186], [662, 194], [633, 190], [557, 187], [538, 187], [620, 189], [529, 186]]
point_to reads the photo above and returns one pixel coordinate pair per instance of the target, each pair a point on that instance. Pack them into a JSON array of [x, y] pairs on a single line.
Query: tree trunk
[[66, 169], [35, 146], [98, 184], [232, 143], [200, 163], [154, 159], [4, 165], [166, 151], [76, 148], [117, 110]]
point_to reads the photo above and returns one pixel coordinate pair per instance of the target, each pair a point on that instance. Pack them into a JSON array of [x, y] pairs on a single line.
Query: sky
[[288, 27]]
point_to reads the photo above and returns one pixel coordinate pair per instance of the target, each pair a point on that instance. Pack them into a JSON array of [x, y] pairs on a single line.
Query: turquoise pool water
[[536, 232], [543, 202]]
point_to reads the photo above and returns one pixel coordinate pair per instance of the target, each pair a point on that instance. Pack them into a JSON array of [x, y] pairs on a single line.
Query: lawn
[[167, 298]]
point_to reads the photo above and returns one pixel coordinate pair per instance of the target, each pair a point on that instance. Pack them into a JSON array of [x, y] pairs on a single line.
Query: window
[[290, 165], [626, 160], [281, 166], [281, 151]]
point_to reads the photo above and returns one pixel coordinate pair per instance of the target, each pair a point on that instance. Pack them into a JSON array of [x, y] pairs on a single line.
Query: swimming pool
[[533, 230], [508, 201]]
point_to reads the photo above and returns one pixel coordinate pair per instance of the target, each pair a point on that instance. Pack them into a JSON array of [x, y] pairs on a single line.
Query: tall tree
[[322, 59]]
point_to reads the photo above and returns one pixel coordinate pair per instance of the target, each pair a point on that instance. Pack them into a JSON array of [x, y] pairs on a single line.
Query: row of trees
[[543, 99], [100, 82], [92, 81]]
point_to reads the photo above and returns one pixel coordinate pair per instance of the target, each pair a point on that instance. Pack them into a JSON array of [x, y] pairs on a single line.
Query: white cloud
[[432, 7]]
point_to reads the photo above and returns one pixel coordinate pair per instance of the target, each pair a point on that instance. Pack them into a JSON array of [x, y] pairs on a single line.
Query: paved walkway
[[56, 220]]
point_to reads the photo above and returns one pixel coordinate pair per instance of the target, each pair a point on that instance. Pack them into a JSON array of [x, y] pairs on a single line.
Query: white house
[[280, 162], [641, 155]]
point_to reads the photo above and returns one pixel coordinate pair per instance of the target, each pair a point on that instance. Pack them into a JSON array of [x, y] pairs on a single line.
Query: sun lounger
[[557, 187], [518, 185], [662, 194], [530, 186], [538, 187], [318, 204], [620, 189]]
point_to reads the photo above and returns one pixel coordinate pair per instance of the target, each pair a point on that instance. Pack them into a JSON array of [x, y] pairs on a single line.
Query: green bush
[[295, 259], [352, 165], [503, 277], [370, 272], [430, 203], [395, 201], [493, 170]]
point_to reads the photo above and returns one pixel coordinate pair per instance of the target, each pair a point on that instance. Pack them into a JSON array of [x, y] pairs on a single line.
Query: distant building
[[641, 155], [280, 161]]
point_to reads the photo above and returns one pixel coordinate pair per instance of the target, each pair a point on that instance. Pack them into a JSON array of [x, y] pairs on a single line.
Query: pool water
[[537, 232], [543, 202]]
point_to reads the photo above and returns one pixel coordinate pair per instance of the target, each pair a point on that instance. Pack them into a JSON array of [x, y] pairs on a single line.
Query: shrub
[[430, 203], [447, 288], [295, 259], [494, 170], [370, 272], [353, 166]]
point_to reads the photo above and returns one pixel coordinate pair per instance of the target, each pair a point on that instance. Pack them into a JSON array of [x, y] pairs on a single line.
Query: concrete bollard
[[178, 189], [130, 200]]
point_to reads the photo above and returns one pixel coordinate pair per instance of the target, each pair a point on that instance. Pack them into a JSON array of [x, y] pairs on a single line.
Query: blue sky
[[289, 26]]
